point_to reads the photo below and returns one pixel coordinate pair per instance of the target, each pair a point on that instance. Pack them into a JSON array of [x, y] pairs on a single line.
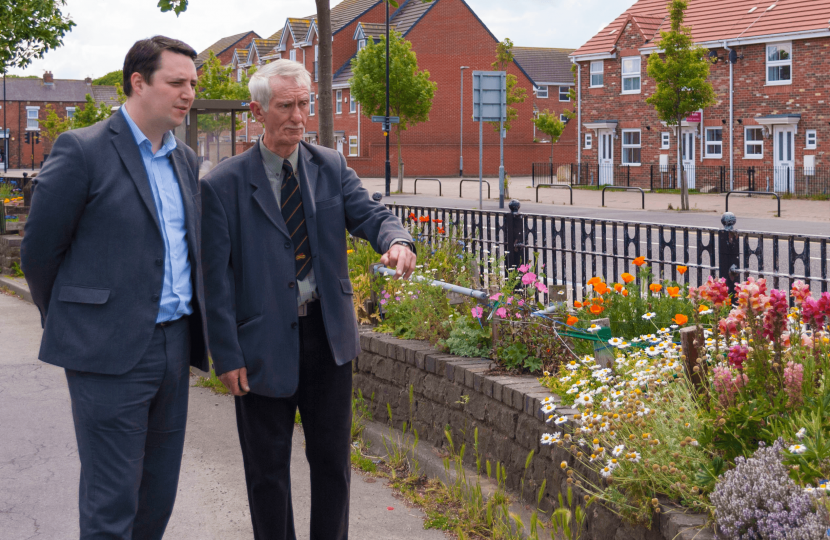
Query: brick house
[[445, 35], [225, 48], [770, 132], [26, 103]]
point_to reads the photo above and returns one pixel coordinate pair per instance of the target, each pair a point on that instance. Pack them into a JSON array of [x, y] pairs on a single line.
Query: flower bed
[[655, 423]]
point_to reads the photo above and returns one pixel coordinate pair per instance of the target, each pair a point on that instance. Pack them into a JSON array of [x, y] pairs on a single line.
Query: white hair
[[260, 83]]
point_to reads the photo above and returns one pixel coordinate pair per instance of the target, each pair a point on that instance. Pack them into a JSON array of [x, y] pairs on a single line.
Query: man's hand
[[401, 258], [236, 381]]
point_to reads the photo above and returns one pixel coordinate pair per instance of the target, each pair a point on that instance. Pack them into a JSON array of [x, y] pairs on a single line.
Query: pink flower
[[776, 313], [793, 378], [811, 312], [714, 291], [541, 287], [509, 301], [496, 296], [521, 302], [799, 291], [727, 386], [737, 356], [501, 313], [477, 312], [518, 315], [524, 268], [529, 278], [806, 341]]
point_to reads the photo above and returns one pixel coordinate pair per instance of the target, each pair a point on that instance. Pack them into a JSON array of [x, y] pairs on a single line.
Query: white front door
[[606, 157], [687, 154], [340, 144], [784, 152]]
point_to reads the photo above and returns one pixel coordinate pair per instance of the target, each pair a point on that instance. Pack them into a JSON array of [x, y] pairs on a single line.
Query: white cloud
[[106, 29]]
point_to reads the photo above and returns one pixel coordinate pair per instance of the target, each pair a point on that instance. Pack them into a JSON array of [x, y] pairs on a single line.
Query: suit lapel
[[127, 149], [263, 195], [180, 168], [308, 187]]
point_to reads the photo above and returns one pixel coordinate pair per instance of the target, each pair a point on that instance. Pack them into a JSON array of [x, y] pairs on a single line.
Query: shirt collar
[[168, 142], [274, 162]]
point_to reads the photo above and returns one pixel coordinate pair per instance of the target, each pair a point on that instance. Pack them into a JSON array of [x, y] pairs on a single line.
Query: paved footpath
[[39, 465]]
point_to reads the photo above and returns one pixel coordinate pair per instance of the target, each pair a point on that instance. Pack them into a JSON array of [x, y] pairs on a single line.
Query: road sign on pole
[[490, 105]]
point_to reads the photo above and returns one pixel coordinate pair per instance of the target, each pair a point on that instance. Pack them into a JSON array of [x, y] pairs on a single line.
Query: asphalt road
[[39, 465]]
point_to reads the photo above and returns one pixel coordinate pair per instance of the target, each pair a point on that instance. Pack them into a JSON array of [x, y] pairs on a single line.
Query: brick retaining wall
[[457, 392]]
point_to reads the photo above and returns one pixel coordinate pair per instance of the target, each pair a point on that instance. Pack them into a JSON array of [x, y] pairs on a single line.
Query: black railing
[[793, 181], [569, 251]]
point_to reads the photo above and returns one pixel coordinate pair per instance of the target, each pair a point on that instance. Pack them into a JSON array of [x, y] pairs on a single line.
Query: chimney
[[48, 78], [88, 81]]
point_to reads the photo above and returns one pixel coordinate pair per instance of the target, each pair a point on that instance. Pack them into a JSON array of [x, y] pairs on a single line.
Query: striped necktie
[[292, 213]]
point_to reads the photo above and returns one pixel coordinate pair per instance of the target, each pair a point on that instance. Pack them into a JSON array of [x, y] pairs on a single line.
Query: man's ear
[[138, 82], [256, 110]]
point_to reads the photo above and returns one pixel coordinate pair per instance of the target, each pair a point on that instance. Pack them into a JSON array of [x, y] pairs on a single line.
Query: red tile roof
[[715, 20]]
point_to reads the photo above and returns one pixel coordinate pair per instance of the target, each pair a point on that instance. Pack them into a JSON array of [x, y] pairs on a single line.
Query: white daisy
[[605, 472], [797, 449], [648, 316], [547, 439], [561, 420], [633, 457], [618, 450], [801, 433], [616, 342], [548, 408]]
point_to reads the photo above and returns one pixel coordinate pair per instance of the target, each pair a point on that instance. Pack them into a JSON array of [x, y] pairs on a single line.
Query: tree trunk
[[400, 162], [551, 150], [325, 117]]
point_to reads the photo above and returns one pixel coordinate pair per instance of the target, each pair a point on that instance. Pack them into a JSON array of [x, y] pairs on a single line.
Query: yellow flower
[[349, 251]]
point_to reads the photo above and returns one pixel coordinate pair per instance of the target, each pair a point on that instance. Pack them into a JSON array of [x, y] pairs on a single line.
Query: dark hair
[[144, 57]]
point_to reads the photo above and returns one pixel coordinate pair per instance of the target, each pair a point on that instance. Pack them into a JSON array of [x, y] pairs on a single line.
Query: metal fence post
[[515, 235], [651, 177], [729, 250]]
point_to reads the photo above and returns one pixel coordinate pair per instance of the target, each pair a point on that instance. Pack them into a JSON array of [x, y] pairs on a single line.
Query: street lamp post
[[461, 149], [386, 126]]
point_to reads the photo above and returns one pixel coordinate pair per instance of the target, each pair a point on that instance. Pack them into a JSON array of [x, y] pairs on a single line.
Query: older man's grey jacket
[[248, 258]]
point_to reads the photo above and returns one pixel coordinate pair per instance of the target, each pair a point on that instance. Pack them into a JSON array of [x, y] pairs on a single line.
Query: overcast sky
[[106, 29]]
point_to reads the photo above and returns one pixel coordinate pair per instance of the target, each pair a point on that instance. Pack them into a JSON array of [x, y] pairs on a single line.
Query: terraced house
[[770, 127], [445, 35]]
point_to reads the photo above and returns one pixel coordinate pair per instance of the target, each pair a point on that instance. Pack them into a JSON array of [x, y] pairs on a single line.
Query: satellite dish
[[713, 57], [733, 56]]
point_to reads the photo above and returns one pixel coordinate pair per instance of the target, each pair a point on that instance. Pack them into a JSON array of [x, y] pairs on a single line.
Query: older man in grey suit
[[281, 321], [111, 254]]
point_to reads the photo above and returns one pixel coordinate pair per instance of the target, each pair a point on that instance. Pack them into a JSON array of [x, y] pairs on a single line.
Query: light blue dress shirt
[[177, 290]]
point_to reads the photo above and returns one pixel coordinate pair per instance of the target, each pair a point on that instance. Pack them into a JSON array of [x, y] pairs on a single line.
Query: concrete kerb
[[17, 286]]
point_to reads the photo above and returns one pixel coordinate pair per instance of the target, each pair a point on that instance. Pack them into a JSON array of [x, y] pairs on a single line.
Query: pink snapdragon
[[793, 378], [529, 278], [714, 291], [812, 314], [775, 315], [752, 293], [737, 356], [800, 291], [727, 385]]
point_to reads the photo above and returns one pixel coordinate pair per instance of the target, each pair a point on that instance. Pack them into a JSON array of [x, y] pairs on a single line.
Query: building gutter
[[753, 40], [731, 123], [578, 117]]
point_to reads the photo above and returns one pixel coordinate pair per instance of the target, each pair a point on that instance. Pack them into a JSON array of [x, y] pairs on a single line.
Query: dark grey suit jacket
[[93, 252], [249, 262]]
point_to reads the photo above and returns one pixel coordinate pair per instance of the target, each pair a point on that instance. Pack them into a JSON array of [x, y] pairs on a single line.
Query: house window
[[339, 101], [352, 145], [812, 139], [311, 104], [316, 57], [31, 118], [352, 104], [754, 143], [360, 44], [631, 147], [714, 142], [542, 92], [596, 73], [779, 63], [564, 93], [631, 75], [563, 118], [292, 55], [665, 140], [239, 75], [589, 141], [70, 112]]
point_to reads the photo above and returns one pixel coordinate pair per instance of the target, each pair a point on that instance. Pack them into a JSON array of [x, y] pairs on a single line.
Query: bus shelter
[[216, 129]]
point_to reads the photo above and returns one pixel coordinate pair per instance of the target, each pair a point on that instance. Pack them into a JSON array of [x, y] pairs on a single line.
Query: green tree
[[515, 94], [110, 79], [30, 28], [681, 73], [86, 115], [410, 90], [550, 124]]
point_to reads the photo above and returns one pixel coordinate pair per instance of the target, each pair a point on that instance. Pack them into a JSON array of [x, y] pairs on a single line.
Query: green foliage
[[86, 115], [212, 381], [30, 28], [110, 79], [550, 124], [219, 82], [515, 94], [513, 356], [410, 91], [16, 271], [468, 337], [176, 6]]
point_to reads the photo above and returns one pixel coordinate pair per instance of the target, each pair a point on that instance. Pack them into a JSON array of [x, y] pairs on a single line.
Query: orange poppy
[[594, 280], [599, 300], [596, 309], [674, 292], [577, 304], [639, 261], [628, 278], [572, 320], [625, 292], [680, 319], [618, 287], [437, 221], [682, 269], [702, 308], [423, 219], [655, 287], [600, 288], [441, 230]]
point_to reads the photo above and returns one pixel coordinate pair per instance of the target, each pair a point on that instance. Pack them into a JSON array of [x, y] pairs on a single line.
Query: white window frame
[[632, 75], [361, 43], [630, 146], [665, 140], [542, 91], [311, 104], [292, 55], [238, 74], [779, 63], [30, 118], [589, 141], [338, 101], [759, 143], [352, 104], [70, 112], [811, 138], [563, 118], [596, 68], [707, 142], [567, 95], [353, 147]]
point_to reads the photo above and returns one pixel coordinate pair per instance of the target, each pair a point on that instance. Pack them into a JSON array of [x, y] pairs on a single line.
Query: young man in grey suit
[[280, 315], [111, 254]]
